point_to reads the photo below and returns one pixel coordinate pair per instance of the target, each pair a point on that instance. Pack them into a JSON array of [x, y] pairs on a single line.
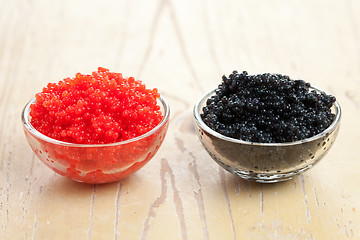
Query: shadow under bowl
[[265, 162], [96, 163]]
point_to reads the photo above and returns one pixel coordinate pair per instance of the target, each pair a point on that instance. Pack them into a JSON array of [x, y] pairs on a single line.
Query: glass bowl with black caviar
[[266, 127], [96, 163]]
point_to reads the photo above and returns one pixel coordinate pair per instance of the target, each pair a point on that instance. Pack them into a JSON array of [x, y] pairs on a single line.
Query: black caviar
[[267, 108]]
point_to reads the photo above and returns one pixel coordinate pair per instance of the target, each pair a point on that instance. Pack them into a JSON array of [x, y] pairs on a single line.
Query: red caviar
[[100, 108]]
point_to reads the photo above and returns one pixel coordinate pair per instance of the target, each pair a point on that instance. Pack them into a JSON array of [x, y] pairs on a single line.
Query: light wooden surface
[[182, 48]]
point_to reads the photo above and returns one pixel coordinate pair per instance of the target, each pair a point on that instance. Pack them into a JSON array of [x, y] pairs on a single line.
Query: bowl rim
[[26, 123], [204, 127]]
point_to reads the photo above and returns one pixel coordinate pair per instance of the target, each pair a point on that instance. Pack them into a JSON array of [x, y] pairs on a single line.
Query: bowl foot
[[260, 177]]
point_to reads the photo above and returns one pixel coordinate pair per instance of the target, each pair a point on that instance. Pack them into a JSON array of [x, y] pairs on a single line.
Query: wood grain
[[182, 48]]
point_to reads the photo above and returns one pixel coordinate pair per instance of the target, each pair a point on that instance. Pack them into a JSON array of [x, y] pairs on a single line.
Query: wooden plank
[[182, 48]]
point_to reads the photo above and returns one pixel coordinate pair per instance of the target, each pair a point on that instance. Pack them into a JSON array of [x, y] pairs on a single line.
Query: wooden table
[[182, 48]]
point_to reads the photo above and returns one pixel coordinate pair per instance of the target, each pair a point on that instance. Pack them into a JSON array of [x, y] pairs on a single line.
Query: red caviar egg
[[100, 108]]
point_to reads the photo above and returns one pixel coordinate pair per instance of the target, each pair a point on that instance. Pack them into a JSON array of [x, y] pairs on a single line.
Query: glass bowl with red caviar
[[96, 128]]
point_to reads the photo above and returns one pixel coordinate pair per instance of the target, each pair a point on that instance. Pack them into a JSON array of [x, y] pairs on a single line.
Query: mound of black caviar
[[267, 108]]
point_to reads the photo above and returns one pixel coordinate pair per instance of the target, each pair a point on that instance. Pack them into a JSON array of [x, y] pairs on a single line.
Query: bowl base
[[262, 177]]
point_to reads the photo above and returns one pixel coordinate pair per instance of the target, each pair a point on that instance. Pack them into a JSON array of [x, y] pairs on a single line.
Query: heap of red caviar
[[100, 108]]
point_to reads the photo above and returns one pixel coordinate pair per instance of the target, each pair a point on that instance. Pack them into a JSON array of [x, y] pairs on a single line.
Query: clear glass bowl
[[101, 163], [265, 162]]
